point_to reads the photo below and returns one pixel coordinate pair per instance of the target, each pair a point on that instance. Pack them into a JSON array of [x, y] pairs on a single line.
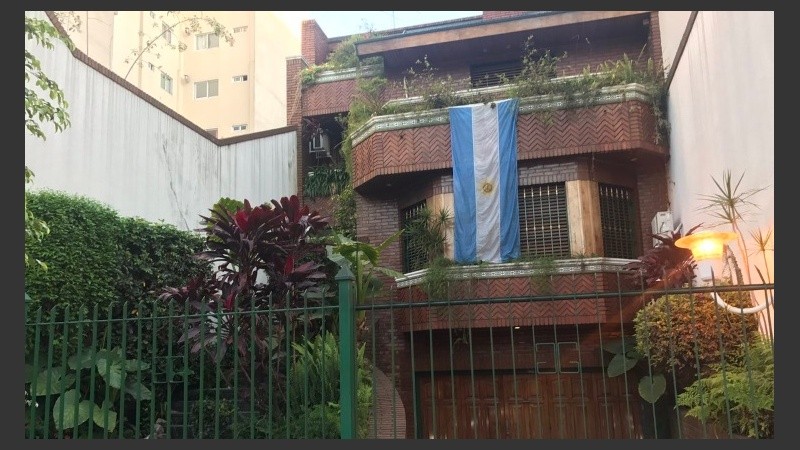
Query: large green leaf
[[133, 365], [29, 373], [111, 371], [67, 402], [84, 362], [100, 415], [138, 391], [615, 346], [651, 388], [620, 364], [59, 382]]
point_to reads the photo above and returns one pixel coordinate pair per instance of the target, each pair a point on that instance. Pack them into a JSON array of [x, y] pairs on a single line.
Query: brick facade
[[612, 143]]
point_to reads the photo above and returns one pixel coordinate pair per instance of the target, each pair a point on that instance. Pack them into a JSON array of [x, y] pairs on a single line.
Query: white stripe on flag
[[486, 214]]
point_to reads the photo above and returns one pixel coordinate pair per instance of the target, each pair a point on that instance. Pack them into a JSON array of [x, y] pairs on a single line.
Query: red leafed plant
[[664, 266], [265, 261]]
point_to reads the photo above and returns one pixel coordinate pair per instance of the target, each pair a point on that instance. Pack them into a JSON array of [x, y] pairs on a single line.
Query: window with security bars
[[543, 223], [414, 256], [494, 74], [617, 217]]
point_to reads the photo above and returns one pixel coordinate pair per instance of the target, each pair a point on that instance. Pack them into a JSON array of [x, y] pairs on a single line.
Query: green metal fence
[[592, 364]]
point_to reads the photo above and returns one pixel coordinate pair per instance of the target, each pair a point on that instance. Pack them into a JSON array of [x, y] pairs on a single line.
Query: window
[[206, 40], [212, 131], [209, 88], [240, 127], [618, 220], [167, 32], [414, 255], [239, 78], [151, 66], [561, 357], [166, 82], [494, 74], [239, 29], [543, 224]]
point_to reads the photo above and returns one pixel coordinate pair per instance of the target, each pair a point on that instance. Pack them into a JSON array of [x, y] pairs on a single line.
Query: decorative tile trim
[[329, 76], [527, 105], [520, 269]]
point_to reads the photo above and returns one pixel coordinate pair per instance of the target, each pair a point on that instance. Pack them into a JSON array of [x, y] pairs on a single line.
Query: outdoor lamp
[[707, 245]]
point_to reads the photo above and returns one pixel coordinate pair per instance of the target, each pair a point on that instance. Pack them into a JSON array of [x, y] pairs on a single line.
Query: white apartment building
[[226, 88]]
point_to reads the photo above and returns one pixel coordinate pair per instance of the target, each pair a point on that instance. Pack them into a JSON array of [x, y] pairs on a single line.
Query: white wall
[[722, 116], [124, 152]]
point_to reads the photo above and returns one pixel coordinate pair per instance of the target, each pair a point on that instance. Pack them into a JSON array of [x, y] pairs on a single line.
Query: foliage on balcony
[[324, 181], [343, 57]]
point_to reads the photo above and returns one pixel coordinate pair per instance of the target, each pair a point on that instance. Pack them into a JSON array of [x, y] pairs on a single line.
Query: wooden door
[[526, 406]]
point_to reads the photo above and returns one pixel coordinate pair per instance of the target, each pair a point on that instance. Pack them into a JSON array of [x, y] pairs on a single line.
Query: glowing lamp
[[706, 244]]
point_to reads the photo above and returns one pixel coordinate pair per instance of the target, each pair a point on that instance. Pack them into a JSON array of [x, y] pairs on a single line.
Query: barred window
[[414, 255], [618, 220], [543, 223], [494, 74]]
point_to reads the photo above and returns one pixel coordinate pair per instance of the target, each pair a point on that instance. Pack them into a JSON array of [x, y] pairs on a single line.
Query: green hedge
[[96, 257]]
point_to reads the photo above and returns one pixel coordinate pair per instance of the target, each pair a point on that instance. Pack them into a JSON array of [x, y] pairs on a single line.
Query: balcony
[[620, 120], [569, 292]]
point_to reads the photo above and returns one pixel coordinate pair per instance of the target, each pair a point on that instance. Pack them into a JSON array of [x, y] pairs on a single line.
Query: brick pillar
[[654, 40], [314, 43], [294, 111]]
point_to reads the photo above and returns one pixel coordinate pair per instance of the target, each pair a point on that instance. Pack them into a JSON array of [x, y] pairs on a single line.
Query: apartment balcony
[[332, 91], [569, 291], [620, 123]]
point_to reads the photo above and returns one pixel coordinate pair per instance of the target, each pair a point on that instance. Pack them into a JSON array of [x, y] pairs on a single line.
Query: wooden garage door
[[527, 406]]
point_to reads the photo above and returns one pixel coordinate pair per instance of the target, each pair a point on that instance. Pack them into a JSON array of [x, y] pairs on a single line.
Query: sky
[[343, 23]]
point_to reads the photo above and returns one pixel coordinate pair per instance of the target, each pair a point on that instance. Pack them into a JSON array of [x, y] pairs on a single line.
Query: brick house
[[591, 179]]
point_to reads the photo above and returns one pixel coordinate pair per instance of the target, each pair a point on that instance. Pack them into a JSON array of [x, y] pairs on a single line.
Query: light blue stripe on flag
[[486, 214]]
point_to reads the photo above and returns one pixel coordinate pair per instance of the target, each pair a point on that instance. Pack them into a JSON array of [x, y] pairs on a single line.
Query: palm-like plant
[[730, 205]]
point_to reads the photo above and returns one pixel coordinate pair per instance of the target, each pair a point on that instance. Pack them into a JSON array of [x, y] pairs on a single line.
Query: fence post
[[347, 346]]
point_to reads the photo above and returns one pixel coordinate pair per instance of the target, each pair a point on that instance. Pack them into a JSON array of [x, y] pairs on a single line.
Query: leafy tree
[[44, 103]]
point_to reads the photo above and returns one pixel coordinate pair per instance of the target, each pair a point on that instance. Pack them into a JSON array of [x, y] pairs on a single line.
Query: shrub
[[683, 333], [98, 261], [82, 252]]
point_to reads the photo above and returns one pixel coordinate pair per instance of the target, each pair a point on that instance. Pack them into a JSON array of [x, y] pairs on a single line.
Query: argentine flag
[[485, 210]]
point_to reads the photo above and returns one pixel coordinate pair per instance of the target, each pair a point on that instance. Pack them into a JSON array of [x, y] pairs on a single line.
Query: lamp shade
[[706, 244]]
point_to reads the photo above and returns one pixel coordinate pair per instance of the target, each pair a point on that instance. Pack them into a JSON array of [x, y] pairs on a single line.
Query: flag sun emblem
[[487, 187]]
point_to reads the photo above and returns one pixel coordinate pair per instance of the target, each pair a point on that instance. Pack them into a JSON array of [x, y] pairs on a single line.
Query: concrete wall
[[125, 152], [721, 104]]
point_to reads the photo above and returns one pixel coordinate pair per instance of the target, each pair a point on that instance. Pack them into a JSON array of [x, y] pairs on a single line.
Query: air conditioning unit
[[661, 225], [319, 145]]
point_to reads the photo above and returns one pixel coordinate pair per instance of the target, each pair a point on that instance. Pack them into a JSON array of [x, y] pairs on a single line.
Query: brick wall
[[582, 53], [377, 220], [653, 197]]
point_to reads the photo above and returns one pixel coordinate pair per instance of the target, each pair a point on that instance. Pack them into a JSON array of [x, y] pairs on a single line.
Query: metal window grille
[[493, 74], [543, 223], [414, 256], [617, 219]]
